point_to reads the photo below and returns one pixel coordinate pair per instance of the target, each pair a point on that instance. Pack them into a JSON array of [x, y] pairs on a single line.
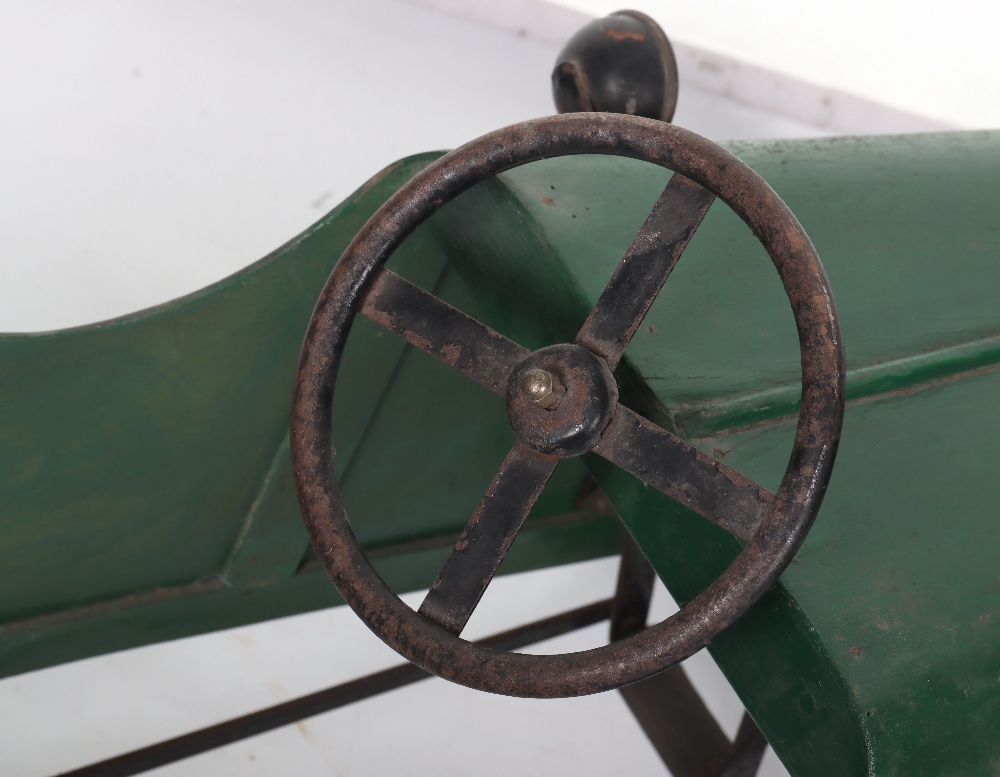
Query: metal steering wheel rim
[[777, 537]]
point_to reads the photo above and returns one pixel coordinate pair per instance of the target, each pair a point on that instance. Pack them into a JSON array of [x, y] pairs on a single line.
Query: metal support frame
[[221, 734], [667, 705]]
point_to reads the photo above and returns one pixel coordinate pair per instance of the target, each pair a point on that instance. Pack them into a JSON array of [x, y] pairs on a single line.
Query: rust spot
[[548, 200], [625, 35], [451, 352], [424, 343], [855, 651]]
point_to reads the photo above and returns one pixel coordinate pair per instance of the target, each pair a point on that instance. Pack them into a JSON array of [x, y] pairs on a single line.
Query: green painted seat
[[879, 651]]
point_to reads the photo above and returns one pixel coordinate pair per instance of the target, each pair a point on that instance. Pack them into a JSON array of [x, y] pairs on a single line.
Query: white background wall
[[149, 149], [929, 58]]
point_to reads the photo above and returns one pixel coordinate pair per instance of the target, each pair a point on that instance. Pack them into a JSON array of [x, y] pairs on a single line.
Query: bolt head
[[538, 385], [559, 400]]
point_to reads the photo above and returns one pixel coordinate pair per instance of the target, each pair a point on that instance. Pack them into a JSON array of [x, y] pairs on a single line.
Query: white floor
[[149, 149]]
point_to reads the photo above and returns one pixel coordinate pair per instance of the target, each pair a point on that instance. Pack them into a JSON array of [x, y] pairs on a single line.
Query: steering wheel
[[562, 401]]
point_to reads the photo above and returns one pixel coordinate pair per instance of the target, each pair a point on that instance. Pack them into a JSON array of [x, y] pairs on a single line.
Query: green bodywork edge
[[728, 414], [395, 175], [770, 656], [210, 605], [270, 544], [270, 547]]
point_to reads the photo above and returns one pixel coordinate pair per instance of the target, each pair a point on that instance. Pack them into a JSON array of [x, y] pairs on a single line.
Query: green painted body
[[148, 495]]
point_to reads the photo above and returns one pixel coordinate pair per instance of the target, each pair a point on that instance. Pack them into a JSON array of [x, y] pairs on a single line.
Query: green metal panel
[[905, 226], [876, 654], [889, 614], [899, 579]]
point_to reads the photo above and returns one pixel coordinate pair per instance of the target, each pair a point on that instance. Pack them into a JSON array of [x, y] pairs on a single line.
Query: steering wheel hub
[[560, 399]]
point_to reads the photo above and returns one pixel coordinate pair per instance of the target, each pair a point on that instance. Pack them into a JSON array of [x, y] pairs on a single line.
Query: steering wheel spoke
[[682, 472], [444, 332], [487, 537], [644, 269]]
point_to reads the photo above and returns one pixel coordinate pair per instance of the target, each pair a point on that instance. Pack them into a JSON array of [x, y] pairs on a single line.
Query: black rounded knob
[[622, 63]]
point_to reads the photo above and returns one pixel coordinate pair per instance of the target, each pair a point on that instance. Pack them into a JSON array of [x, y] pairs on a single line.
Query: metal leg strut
[[289, 712], [667, 706]]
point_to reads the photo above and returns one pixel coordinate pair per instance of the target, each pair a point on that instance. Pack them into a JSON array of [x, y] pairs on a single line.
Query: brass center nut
[[542, 388]]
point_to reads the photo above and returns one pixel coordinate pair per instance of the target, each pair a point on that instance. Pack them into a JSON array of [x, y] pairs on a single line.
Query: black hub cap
[[560, 399]]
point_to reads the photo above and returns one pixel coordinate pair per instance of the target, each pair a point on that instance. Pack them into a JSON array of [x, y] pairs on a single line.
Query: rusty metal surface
[[682, 472], [442, 331], [747, 752], [644, 269], [633, 593], [774, 540], [485, 540], [669, 708], [677, 723], [575, 425]]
